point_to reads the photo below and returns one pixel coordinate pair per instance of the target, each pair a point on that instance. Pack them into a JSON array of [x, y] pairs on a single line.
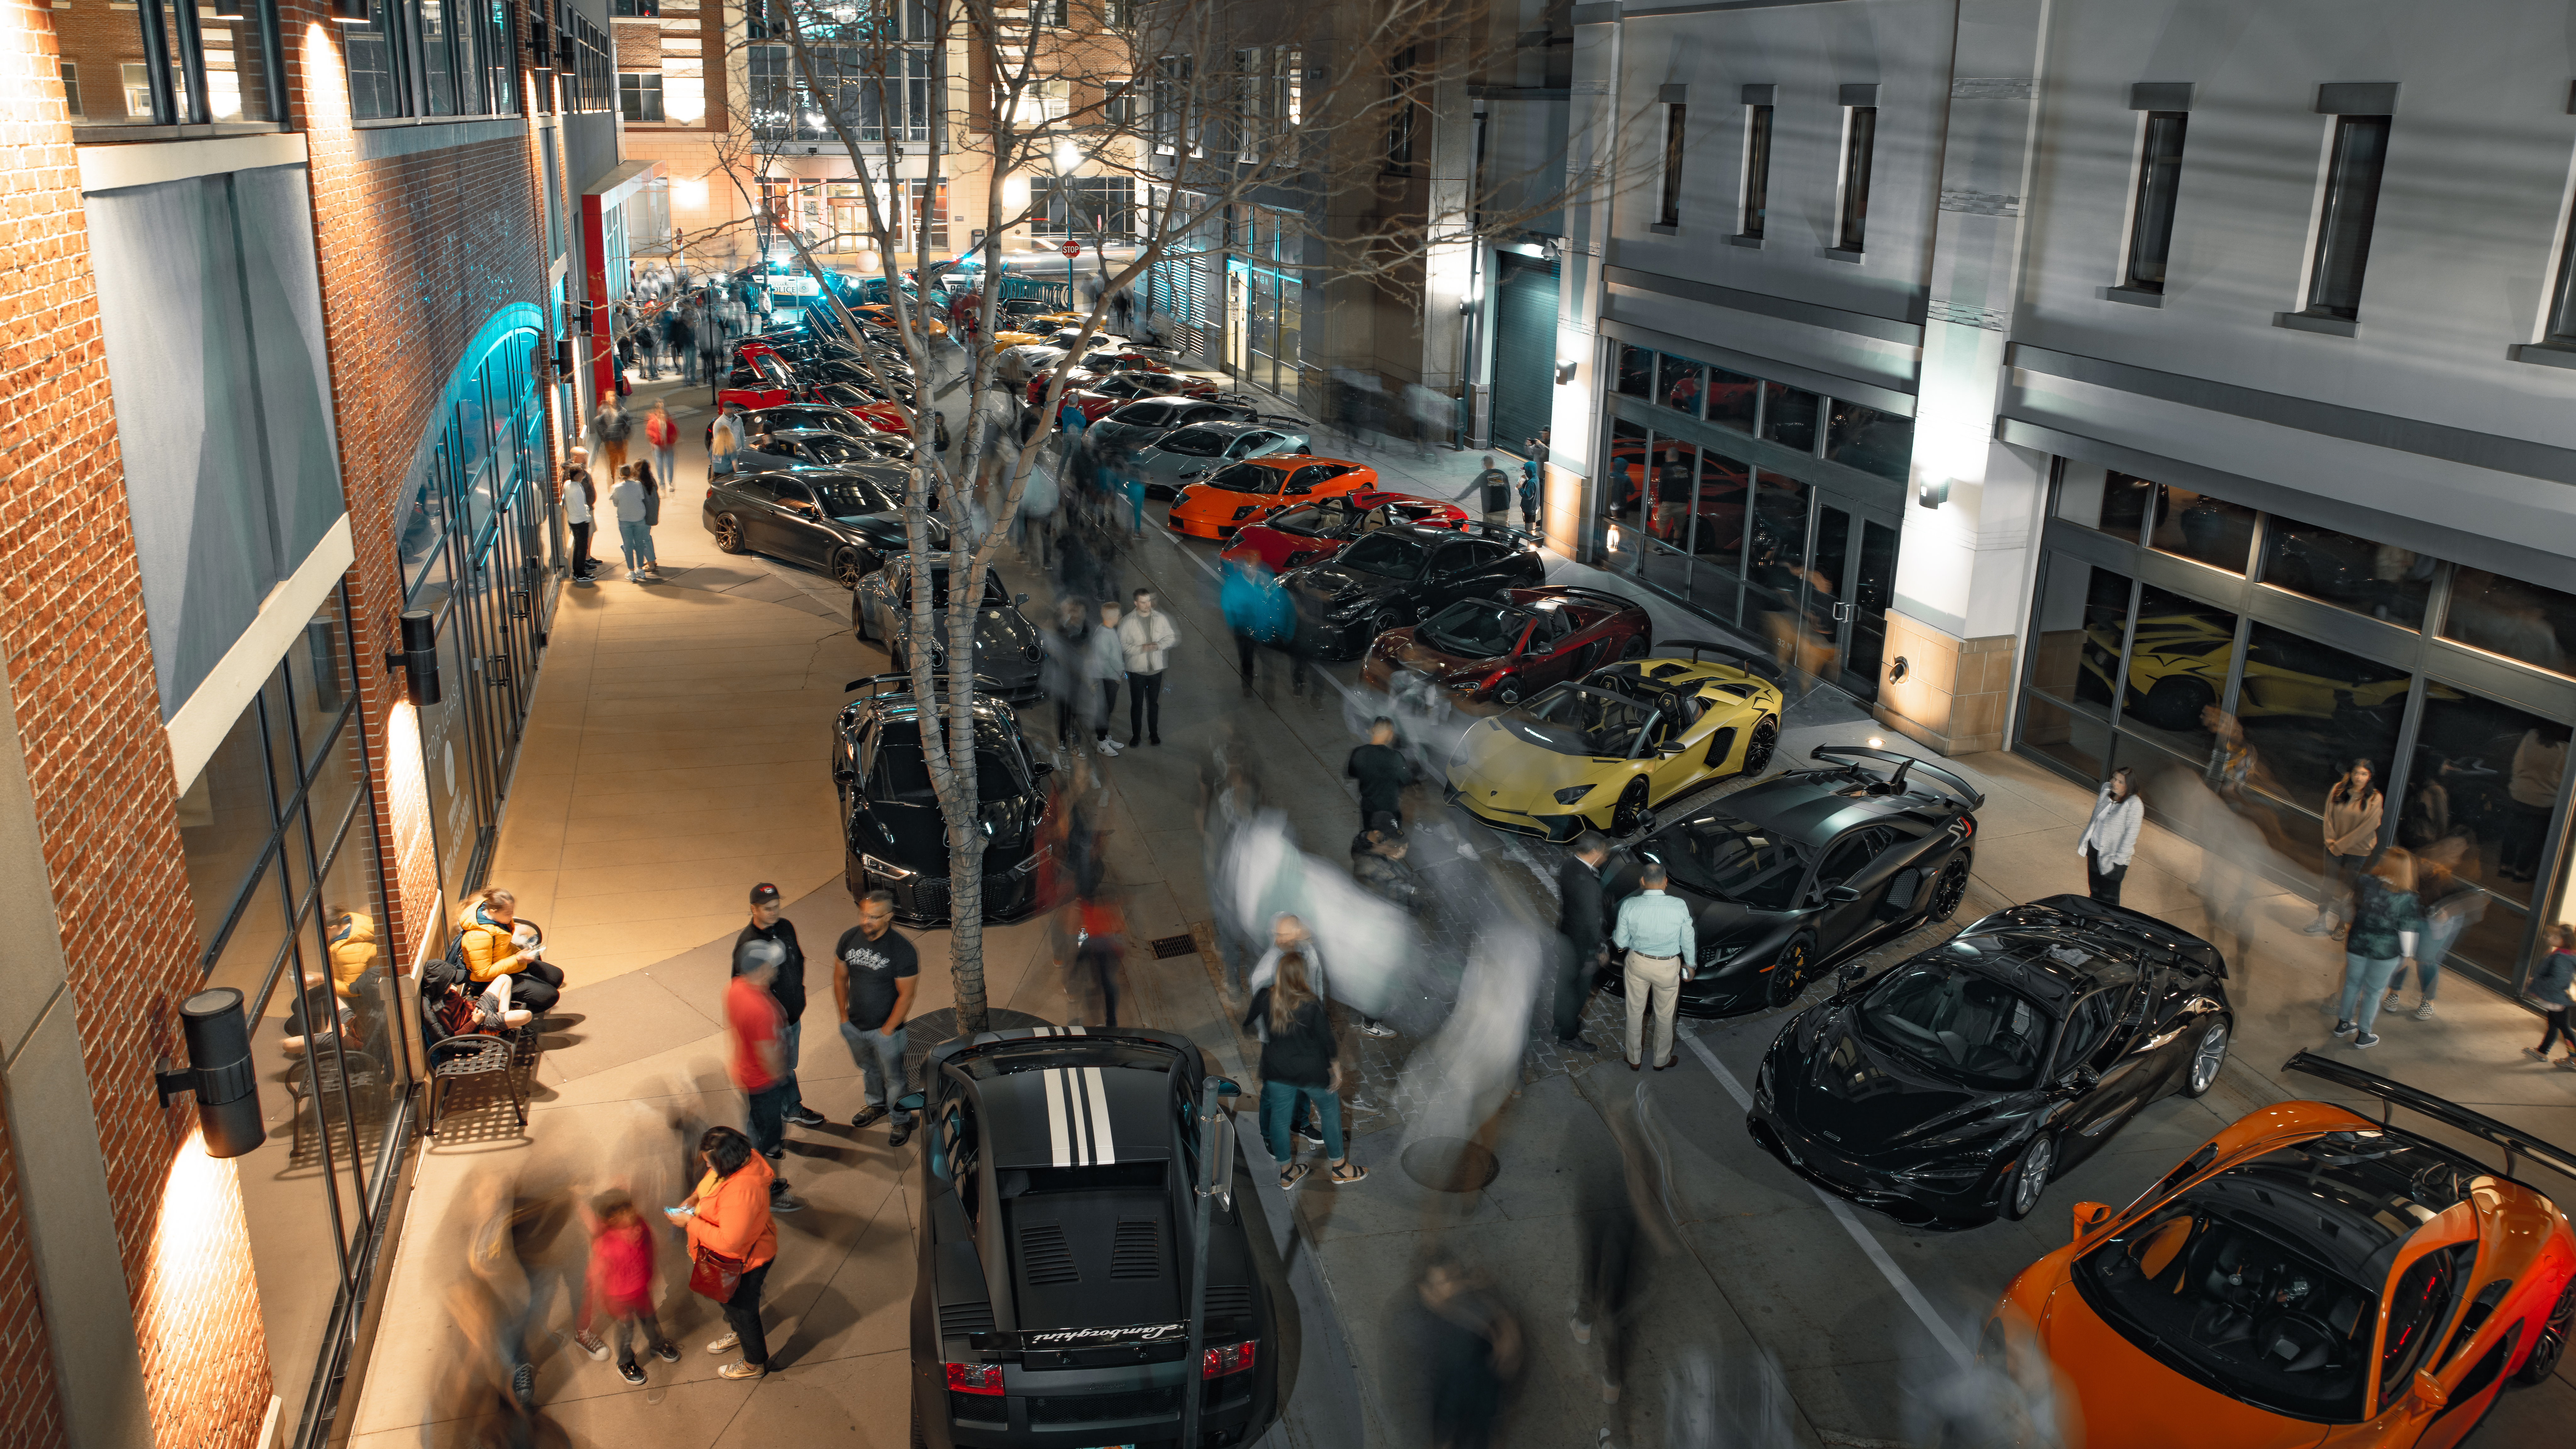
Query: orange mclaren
[[1249, 491], [2309, 1277]]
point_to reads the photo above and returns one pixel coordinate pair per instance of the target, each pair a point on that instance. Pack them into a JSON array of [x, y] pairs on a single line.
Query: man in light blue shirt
[[1656, 931]]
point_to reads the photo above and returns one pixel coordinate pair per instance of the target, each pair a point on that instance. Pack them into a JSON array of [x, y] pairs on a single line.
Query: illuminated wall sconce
[[1896, 672], [349, 12], [1933, 491], [1613, 538], [1564, 371], [218, 1073], [417, 659]]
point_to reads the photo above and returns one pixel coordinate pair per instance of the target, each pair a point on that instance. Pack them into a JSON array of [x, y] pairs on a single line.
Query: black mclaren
[[1051, 1307], [891, 827], [1403, 575], [1793, 874], [1954, 1086]]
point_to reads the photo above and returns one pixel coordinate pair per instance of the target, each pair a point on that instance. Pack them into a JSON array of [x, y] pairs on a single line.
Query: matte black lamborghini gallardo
[[1955, 1085], [1050, 1309], [1791, 875], [891, 827]]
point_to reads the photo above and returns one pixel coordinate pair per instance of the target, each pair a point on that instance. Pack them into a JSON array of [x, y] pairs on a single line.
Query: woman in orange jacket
[[493, 947], [728, 1215]]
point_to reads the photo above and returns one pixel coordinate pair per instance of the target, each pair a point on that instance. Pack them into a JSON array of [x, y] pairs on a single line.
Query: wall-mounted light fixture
[[1896, 671], [417, 659], [1564, 371], [218, 1073], [1933, 491]]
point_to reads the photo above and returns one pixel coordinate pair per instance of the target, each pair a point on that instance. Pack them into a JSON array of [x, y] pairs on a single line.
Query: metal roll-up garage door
[[1524, 348]]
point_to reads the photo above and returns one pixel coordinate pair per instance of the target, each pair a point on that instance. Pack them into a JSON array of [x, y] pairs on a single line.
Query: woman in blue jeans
[[2385, 924], [1297, 1063], [2451, 905]]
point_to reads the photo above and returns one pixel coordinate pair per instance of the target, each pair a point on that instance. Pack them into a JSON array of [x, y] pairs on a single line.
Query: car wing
[[2394, 1094], [1741, 657], [1904, 763]]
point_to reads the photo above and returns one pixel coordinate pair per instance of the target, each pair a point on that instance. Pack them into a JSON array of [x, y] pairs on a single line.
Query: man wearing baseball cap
[[788, 986]]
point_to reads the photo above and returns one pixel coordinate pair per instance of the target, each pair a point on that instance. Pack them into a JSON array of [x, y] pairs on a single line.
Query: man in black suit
[[1578, 929]]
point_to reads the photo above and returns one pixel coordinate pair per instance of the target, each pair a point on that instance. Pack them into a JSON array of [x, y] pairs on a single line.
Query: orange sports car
[[2309, 1277], [1247, 492]]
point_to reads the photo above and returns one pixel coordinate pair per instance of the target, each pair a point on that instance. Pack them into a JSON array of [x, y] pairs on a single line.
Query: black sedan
[[846, 521], [1010, 656], [1805, 868], [1953, 1086], [1056, 1238], [891, 827], [1402, 575]]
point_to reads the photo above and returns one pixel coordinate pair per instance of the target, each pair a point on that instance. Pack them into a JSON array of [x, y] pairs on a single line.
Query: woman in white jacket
[[2111, 837]]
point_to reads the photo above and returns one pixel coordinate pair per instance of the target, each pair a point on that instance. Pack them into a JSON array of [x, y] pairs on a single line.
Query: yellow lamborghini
[[1602, 753], [2178, 666]]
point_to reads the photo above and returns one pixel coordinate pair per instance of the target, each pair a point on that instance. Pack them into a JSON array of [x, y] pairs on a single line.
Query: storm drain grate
[[1169, 946]]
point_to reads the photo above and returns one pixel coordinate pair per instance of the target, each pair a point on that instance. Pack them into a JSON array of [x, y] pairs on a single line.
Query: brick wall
[[30, 1415], [98, 766]]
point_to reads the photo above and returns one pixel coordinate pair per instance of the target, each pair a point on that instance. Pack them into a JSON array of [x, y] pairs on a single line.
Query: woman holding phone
[[732, 1242]]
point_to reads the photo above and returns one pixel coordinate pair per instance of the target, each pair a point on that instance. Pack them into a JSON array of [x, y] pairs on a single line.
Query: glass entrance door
[[1849, 581]]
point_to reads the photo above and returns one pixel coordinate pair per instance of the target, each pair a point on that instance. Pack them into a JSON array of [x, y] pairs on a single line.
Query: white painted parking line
[[1851, 1222]]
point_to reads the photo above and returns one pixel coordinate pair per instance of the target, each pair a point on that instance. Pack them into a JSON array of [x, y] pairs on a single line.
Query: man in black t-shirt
[[1382, 771], [767, 924], [874, 973]]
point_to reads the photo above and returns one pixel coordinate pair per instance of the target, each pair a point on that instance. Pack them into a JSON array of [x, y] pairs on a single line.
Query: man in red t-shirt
[[753, 1020]]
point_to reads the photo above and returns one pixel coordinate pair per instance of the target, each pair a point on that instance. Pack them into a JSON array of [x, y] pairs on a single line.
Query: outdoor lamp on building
[[1067, 158], [1564, 371], [218, 1073], [417, 659], [1933, 491]]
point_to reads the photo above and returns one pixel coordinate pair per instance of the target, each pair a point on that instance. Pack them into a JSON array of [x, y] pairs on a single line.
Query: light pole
[[1215, 1181]]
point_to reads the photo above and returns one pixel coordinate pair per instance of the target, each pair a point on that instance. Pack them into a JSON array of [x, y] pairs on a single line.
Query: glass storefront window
[[1636, 371], [1731, 399], [1680, 383], [1725, 489], [2312, 711], [1870, 440], [2083, 617], [2521, 621], [1789, 416], [2078, 742], [1779, 548], [2485, 777], [2178, 665], [2378, 579], [1669, 489], [225, 822], [2204, 529]]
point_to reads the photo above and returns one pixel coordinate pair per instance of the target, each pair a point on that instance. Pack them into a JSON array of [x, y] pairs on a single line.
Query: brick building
[[283, 329]]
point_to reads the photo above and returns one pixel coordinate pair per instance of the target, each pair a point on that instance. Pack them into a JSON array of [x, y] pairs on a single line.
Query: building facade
[[290, 363], [2111, 386]]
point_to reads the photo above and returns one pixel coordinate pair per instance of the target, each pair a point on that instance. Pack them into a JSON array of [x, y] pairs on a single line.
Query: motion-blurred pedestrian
[[1068, 646], [1382, 772], [614, 425], [2387, 921], [1106, 665], [1578, 932], [1300, 1069], [875, 970], [759, 1069], [1655, 930], [769, 924], [1473, 1351], [2553, 986], [1099, 955], [619, 1286], [1627, 1229], [664, 436], [732, 1241]]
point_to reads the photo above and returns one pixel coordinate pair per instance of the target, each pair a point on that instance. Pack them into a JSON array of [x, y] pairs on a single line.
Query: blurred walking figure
[[1105, 663], [2452, 903], [1380, 869], [2351, 836], [1629, 1229], [614, 425], [620, 1286], [759, 1068], [2111, 837], [732, 1241], [1578, 931], [2386, 923], [1382, 771], [1099, 960], [2551, 983], [1474, 1352], [1259, 613], [1068, 647], [489, 1304], [1655, 930], [770, 924], [664, 436], [1300, 1069], [1433, 417]]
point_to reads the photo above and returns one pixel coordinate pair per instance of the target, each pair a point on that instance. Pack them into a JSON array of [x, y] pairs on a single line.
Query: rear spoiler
[[1904, 763], [1753, 662], [2393, 1095]]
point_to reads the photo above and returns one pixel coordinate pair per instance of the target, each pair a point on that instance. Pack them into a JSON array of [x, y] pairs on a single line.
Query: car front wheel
[[1758, 750], [1630, 816], [1790, 972], [2208, 1056], [2029, 1177], [846, 568], [728, 533]]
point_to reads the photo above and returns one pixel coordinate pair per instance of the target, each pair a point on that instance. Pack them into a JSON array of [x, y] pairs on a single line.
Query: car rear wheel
[[2552, 1344], [728, 533], [1509, 691], [1630, 816], [2207, 1057], [1635, 648], [1950, 889], [2029, 1177], [1758, 750], [845, 568], [1791, 970]]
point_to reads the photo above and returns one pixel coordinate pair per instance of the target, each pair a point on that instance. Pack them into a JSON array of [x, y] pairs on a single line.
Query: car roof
[[1815, 806]]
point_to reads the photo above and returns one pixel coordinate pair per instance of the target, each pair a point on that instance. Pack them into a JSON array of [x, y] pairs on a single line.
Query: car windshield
[[1307, 521], [849, 498], [994, 598], [1568, 720], [1961, 1024], [903, 772], [1474, 629], [1196, 442], [1720, 855], [1386, 554], [1245, 478]]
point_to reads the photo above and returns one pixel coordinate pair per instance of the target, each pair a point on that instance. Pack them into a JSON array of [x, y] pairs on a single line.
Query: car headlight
[[1944, 1174], [885, 868], [1246, 511], [1344, 613], [1470, 686], [1762, 1082], [1572, 793]]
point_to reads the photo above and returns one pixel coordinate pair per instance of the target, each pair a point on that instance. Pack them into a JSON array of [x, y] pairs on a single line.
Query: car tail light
[[986, 1378], [1220, 1360]]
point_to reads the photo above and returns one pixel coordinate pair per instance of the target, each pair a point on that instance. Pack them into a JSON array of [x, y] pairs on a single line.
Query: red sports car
[[1319, 530], [876, 412], [1486, 655]]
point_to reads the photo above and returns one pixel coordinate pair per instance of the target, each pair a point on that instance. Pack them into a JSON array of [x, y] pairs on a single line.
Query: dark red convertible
[[1319, 530], [1486, 655]]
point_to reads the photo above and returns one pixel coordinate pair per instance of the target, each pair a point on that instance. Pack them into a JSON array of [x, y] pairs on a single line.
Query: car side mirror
[[1853, 974], [2429, 1391], [1842, 894], [908, 1102], [2082, 1078], [1224, 1087], [1017, 599], [2090, 1215]]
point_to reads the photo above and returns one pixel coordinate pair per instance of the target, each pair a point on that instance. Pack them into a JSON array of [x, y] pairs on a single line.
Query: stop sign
[[1073, 249]]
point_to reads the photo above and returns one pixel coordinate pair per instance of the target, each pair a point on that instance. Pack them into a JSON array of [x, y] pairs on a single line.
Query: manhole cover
[[1168, 946], [1450, 1164]]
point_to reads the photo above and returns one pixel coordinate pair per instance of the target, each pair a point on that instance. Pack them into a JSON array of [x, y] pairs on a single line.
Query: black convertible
[[1953, 1086], [1056, 1235], [890, 822], [1790, 875], [1402, 575], [846, 521]]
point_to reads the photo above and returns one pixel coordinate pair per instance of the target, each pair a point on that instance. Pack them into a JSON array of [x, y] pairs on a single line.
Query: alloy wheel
[[845, 569], [2032, 1179], [1508, 692], [1791, 971], [1631, 815], [2552, 1343], [2208, 1058], [728, 533], [1758, 750], [1951, 889]]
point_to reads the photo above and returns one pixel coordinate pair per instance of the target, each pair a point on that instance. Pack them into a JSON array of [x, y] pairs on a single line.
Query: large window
[[158, 64], [881, 93], [2159, 182], [1757, 170], [1082, 206], [433, 58], [639, 96], [2351, 208], [1668, 209], [1860, 136]]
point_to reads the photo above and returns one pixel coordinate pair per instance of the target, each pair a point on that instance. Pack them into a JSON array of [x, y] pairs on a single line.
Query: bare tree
[[1200, 108]]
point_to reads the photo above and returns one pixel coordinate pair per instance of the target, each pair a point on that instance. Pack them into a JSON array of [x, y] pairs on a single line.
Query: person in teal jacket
[[2386, 922]]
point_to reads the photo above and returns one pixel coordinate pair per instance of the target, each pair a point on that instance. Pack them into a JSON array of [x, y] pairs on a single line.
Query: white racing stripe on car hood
[[1104, 1147], [1059, 1133]]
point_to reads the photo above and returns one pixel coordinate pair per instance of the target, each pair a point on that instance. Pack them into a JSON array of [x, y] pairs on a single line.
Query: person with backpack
[[490, 948]]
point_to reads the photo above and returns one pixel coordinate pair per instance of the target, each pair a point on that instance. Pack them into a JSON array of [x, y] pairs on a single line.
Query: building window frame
[[2347, 214], [170, 92], [1754, 206], [2161, 136], [1851, 189], [1668, 198], [639, 97], [463, 67]]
